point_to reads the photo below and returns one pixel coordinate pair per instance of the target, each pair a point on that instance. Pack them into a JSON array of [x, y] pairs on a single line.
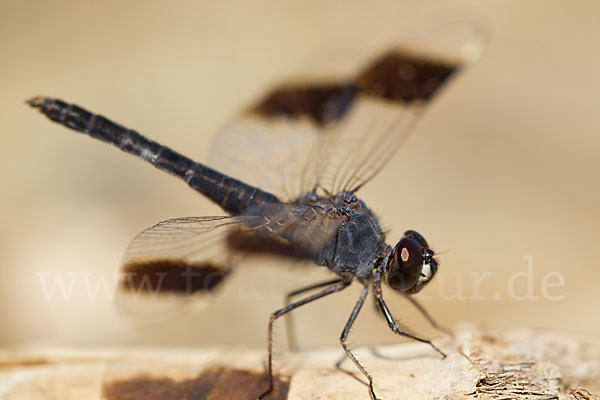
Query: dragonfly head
[[411, 265]]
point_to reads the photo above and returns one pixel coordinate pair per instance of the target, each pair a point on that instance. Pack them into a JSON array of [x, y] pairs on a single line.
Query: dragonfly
[[287, 173]]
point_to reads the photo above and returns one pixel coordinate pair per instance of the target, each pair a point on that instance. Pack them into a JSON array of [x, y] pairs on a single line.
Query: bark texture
[[481, 364]]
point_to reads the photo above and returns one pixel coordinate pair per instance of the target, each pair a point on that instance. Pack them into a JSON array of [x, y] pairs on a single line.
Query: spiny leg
[[392, 323], [332, 289], [379, 313], [289, 322], [344, 337], [428, 316]]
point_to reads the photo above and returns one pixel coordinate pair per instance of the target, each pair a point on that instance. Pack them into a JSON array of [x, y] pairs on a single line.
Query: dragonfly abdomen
[[232, 195]]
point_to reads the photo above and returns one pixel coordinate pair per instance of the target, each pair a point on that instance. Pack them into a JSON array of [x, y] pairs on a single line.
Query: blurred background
[[502, 173]]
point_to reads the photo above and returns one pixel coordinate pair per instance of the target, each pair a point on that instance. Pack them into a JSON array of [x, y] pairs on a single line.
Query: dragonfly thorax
[[358, 242]]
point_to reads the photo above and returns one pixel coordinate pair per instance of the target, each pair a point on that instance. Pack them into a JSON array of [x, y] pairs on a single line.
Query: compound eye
[[418, 237], [405, 264]]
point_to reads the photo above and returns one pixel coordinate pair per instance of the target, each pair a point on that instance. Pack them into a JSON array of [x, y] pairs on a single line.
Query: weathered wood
[[481, 364]]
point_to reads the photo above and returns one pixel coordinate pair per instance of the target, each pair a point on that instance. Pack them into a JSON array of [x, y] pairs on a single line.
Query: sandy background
[[506, 165]]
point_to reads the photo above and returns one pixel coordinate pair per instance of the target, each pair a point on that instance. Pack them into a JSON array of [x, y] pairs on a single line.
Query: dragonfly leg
[[332, 289], [289, 321], [344, 338], [428, 316], [390, 320]]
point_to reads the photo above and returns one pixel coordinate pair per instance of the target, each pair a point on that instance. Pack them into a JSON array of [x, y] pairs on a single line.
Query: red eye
[[405, 264]]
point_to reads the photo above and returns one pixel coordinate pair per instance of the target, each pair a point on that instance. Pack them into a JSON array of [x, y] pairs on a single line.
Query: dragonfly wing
[[392, 92], [171, 246], [338, 134], [181, 263], [266, 153], [173, 262]]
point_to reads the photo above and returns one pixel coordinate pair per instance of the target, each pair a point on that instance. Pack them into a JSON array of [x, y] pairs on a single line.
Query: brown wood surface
[[481, 364]]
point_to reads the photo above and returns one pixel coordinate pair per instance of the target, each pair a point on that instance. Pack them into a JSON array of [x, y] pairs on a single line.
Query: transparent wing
[[393, 91], [181, 263], [174, 262], [338, 134], [265, 152]]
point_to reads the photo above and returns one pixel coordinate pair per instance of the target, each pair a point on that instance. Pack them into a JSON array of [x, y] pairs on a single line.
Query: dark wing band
[[338, 135], [179, 260]]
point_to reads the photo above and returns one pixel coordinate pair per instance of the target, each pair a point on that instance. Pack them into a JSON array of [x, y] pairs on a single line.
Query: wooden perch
[[481, 364]]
